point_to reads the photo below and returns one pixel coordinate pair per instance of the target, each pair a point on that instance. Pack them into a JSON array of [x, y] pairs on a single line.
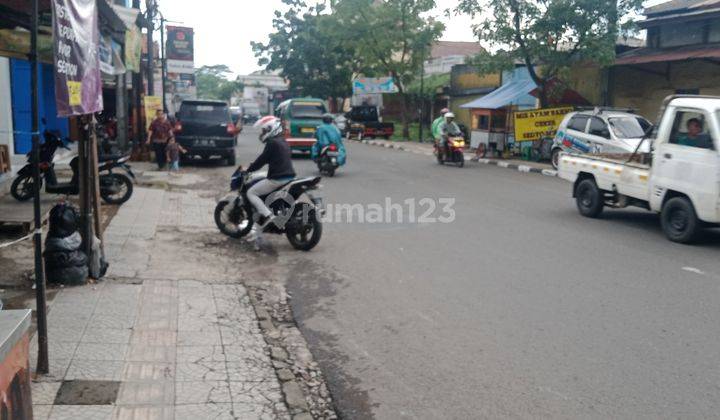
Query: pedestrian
[[173, 150], [160, 131]]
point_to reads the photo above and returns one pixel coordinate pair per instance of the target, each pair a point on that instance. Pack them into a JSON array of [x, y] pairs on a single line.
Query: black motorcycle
[[297, 212], [115, 188], [327, 161]]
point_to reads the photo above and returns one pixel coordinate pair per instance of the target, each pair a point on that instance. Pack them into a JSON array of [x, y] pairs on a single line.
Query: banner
[[535, 124], [365, 85], [133, 49], [153, 104], [78, 87], [180, 43]]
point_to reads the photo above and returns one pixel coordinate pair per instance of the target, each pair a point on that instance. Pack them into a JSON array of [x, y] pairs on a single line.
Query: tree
[[306, 53], [389, 37], [212, 83], [548, 36]]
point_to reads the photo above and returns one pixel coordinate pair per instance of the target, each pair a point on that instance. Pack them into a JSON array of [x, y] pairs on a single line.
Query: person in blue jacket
[[327, 133]]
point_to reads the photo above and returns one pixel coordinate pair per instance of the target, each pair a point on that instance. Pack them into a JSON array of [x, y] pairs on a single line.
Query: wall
[[464, 77], [6, 125], [645, 91], [587, 80]]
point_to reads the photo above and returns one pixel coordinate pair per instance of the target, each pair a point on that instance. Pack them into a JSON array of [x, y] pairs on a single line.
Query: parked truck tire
[[679, 220], [589, 198]]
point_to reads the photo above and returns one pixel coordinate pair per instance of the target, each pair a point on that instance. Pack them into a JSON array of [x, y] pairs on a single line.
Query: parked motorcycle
[[297, 212], [115, 188], [453, 152], [327, 161]]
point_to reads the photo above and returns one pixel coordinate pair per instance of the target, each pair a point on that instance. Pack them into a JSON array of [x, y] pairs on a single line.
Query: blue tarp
[[505, 95]]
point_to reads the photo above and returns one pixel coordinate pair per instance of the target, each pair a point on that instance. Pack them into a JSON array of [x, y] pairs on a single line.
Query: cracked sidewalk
[[169, 323]]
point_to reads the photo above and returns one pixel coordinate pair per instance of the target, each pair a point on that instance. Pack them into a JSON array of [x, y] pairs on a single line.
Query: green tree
[[306, 53], [212, 83], [548, 36], [389, 37]]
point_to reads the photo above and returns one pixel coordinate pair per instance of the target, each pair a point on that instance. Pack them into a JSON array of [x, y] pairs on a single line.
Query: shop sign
[[535, 124], [180, 43], [78, 86]]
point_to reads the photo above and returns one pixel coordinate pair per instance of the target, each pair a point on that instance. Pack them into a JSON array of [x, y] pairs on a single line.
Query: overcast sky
[[224, 28]]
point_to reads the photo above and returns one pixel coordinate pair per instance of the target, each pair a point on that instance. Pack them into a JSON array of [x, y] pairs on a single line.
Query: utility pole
[[43, 365], [151, 6], [163, 60], [422, 92]]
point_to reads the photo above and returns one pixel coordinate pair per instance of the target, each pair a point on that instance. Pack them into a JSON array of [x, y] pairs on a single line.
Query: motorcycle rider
[[278, 157], [328, 134], [448, 129], [435, 127]]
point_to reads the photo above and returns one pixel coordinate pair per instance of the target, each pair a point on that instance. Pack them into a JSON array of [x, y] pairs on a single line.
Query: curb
[[499, 163]]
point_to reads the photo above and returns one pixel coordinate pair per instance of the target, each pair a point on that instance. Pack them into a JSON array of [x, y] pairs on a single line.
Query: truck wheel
[[679, 220], [589, 198], [555, 158]]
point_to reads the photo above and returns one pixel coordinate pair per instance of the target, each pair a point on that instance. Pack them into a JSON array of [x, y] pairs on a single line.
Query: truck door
[[686, 160]]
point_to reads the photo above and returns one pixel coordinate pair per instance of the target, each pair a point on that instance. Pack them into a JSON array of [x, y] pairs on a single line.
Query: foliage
[[553, 34], [431, 84], [212, 83]]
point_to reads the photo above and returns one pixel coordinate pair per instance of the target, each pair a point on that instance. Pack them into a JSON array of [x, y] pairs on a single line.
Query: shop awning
[[652, 55], [504, 95]]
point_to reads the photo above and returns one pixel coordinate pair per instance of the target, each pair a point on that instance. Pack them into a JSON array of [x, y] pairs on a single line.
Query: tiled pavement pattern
[[182, 348]]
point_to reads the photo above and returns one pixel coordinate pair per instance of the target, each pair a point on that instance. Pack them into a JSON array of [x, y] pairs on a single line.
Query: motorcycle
[[297, 212], [115, 188], [327, 161], [453, 152]]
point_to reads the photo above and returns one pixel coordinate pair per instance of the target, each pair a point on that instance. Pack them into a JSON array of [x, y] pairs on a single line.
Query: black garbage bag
[[63, 220], [69, 243], [73, 276], [64, 259]]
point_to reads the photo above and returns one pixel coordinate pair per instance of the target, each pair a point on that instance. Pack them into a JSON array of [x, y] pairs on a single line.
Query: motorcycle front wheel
[[232, 220], [115, 188], [305, 229], [22, 188]]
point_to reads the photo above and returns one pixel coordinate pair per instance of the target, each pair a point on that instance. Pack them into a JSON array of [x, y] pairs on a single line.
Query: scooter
[[115, 188], [453, 152], [297, 212], [327, 161]]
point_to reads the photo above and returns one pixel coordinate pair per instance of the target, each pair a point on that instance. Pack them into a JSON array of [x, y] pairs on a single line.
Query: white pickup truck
[[681, 179]]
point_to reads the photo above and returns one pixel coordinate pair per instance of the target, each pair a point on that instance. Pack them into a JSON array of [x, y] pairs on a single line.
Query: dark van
[[300, 118], [206, 130]]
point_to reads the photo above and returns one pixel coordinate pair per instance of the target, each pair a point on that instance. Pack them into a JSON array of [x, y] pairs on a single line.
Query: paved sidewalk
[[164, 335]]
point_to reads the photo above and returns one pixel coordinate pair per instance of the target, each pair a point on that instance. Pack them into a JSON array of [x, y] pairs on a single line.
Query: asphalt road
[[519, 308]]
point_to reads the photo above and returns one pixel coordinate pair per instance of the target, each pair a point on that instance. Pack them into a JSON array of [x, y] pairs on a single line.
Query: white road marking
[[524, 168]]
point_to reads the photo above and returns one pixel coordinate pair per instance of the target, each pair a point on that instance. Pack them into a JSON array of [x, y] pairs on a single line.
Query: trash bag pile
[[65, 262]]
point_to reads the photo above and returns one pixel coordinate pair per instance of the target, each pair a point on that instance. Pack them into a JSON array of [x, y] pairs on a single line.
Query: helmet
[[328, 118], [444, 111], [270, 126], [449, 115]]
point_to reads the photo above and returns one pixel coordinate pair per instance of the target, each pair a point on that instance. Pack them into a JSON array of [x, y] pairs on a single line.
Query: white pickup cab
[[679, 178]]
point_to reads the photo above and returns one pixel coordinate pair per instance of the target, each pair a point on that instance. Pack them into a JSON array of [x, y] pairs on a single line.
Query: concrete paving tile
[[43, 393], [56, 349], [146, 393], [251, 371], [199, 338], [71, 335], [202, 392], [41, 412], [143, 353], [276, 411], [262, 393], [200, 371], [110, 321], [221, 411], [106, 335], [153, 337], [58, 370], [253, 351], [200, 354], [81, 412], [144, 413], [148, 371], [96, 351], [102, 370]]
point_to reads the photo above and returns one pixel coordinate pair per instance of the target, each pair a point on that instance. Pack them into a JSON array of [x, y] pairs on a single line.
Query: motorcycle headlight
[[459, 143]]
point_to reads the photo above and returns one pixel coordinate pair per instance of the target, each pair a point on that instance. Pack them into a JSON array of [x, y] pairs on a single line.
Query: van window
[[599, 128], [307, 109], [690, 129], [578, 123]]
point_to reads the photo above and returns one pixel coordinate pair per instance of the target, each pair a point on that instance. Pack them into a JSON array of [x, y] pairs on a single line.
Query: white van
[[599, 131]]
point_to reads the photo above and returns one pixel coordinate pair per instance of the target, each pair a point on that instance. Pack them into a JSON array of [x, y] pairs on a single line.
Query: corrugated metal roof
[[651, 55], [674, 6], [503, 96]]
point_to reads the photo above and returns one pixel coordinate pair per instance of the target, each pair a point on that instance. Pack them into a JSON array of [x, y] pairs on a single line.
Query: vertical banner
[[180, 43], [180, 66], [153, 104], [133, 49], [78, 87]]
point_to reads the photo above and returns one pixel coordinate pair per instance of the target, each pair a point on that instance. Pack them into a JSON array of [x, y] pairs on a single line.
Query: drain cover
[[87, 393]]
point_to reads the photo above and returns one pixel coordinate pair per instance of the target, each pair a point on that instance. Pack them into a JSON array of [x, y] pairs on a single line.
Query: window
[[482, 122], [307, 110], [578, 123], [599, 128], [628, 127], [690, 129], [714, 31], [674, 35]]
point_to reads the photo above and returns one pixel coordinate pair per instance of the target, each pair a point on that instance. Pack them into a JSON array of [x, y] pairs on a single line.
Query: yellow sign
[[152, 105], [74, 93], [535, 124]]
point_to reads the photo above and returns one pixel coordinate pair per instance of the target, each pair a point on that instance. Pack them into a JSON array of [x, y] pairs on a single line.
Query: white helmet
[[449, 115], [270, 126]]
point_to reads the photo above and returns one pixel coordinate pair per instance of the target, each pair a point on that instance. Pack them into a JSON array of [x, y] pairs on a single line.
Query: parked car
[[206, 130], [599, 131], [367, 118], [301, 117]]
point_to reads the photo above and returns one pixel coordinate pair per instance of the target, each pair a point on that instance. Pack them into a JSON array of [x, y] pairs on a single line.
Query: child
[[173, 154]]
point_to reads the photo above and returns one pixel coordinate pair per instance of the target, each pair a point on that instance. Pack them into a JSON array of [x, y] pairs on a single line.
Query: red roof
[[449, 48], [651, 55]]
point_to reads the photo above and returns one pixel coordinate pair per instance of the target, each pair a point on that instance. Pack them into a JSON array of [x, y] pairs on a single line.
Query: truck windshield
[[626, 127], [307, 110]]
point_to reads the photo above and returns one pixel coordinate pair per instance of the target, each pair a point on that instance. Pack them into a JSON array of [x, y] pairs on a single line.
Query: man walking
[[160, 131]]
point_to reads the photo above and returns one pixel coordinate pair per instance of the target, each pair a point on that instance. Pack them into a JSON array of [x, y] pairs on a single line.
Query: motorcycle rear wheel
[[22, 188], [122, 183], [231, 223], [305, 230]]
